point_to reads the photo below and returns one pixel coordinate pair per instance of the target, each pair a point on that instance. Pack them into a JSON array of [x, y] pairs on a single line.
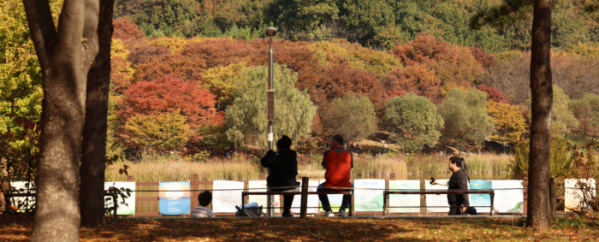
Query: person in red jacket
[[338, 163]]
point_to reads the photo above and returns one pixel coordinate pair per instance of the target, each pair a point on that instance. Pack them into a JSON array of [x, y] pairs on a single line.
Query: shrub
[[413, 121]]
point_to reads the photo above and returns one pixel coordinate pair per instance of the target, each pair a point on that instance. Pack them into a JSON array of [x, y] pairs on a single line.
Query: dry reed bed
[[365, 166]]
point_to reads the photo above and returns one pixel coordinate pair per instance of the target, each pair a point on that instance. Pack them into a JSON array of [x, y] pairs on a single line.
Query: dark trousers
[[287, 201], [324, 199], [455, 209]]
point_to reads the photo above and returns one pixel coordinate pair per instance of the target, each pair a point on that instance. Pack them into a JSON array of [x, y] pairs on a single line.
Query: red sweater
[[338, 163]]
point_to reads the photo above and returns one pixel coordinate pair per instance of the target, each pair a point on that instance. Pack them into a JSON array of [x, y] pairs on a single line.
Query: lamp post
[[270, 107], [270, 32]]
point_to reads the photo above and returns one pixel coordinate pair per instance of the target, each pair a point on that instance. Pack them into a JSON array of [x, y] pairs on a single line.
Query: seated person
[[203, 211], [338, 163], [282, 167]]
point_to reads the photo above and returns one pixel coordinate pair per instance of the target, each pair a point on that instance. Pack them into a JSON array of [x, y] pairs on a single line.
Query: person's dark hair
[[205, 198], [284, 143], [338, 138], [461, 163]]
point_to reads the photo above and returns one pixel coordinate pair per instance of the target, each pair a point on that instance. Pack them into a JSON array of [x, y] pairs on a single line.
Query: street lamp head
[[271, 31]]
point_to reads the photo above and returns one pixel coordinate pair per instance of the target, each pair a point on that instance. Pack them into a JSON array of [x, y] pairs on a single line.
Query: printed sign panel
[[312, 199], [404, 200], [225, 201], [477, 200], [576, 191], [366, 199], [436, 203], [260, 186], [174, 198], [509, 196], [23, 203], [126, 207]]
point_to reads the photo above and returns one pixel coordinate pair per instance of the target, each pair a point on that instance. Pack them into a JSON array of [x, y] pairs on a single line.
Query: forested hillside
[[190, 75], [372, 23]]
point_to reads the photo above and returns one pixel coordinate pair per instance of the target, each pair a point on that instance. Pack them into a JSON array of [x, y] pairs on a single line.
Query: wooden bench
[[438, 192], [270, 193]]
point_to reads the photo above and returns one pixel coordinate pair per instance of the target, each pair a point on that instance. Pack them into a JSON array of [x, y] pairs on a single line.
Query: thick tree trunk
[[539, 214], [93, 157], [65, 57]]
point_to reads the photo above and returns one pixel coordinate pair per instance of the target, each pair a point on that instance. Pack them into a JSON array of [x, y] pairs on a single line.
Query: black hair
[[338, 138], [205, 198], [461, 163], [284, 143]]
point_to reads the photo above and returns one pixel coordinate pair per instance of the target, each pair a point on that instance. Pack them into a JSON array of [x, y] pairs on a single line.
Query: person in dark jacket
[[283, 170], [459, 181]]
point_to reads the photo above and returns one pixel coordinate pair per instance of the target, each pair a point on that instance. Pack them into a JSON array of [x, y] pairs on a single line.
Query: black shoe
[[287, 215]]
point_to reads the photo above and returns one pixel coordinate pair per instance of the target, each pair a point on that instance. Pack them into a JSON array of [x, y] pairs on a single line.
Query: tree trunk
[[93, 157], [65, 57], [539, 214]]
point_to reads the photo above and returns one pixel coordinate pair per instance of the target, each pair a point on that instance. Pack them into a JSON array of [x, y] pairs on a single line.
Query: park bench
[[437, 192], [304, 197]]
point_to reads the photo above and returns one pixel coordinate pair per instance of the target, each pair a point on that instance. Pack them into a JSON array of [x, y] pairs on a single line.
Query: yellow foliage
[[359, 57], [165, 131], [174, 44], [221, 81], [509, 122], [590, 49], [122, 72]]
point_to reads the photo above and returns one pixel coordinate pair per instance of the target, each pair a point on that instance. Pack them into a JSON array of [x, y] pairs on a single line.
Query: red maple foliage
[[422, 49], [144, 52], [484, 58], [416, 78], [222, 52], [126, 30], [493, 94], [180, 66], [336, 80], [169, 94]]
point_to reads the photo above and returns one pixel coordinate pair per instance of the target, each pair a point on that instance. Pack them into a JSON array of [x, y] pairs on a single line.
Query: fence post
[[386, 202], [553, 196], [304, 197], [525, 194], [423, 210]]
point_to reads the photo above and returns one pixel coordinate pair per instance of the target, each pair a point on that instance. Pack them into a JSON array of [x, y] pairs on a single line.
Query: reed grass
[[166, 170], [161, 168], [477, 164]]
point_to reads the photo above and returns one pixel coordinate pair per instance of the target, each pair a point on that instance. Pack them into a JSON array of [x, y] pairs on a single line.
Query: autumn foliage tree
[[163, 131], [493, 94], [170, 94], [509, 124], [127, 31], [415, 78], [182, 67]]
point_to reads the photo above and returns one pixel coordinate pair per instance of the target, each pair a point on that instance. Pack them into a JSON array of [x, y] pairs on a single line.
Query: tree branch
[[41, 27]]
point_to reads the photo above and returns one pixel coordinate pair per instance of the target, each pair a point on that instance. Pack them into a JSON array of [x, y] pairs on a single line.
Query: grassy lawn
[[319, 229]]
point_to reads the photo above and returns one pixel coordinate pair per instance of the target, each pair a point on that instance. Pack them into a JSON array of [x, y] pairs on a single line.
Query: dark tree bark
[[93, 157], [539, 214], [65, 56]]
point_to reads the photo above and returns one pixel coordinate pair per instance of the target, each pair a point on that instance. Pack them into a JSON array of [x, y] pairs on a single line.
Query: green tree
[[246, 118], [562, 117], [352, 116], [586, 110], [413, 121], [163, 132], [465, 116]]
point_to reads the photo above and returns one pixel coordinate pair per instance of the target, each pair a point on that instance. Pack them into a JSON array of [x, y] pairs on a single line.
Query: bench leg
[[242, 206]]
